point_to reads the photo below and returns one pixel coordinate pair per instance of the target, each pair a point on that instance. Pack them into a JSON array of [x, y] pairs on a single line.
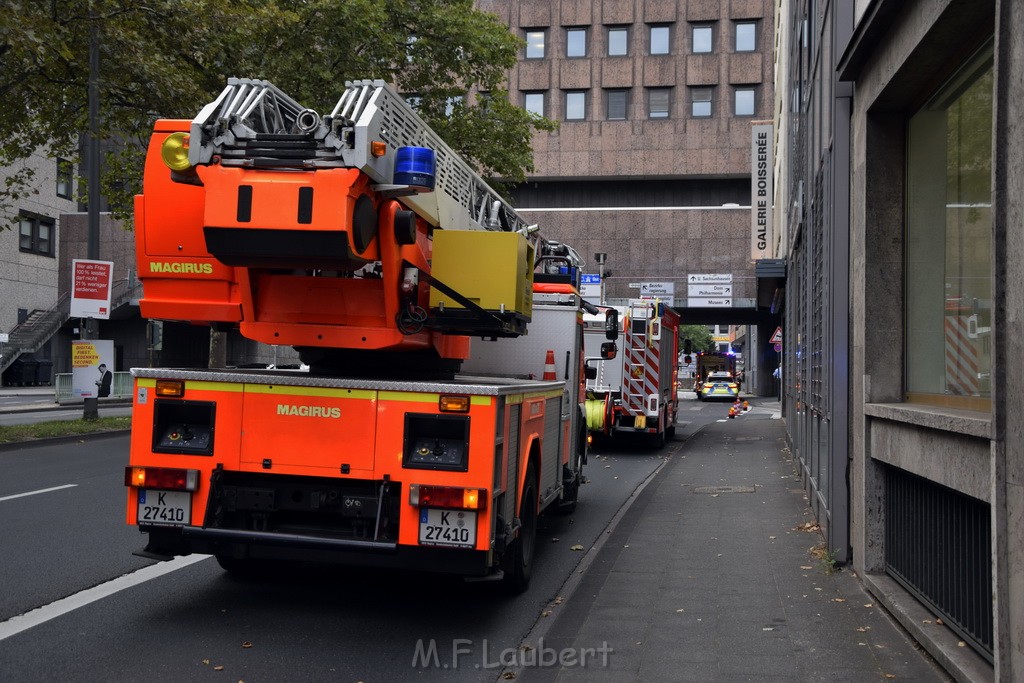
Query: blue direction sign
[[590, 279]]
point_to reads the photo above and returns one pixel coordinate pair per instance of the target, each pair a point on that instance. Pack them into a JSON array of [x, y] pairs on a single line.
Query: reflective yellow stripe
[[417, 397], [288, 390], [143, 382], [212, 386]]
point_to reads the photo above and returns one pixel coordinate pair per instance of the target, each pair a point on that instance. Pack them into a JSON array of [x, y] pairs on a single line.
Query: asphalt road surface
[[75, 605]]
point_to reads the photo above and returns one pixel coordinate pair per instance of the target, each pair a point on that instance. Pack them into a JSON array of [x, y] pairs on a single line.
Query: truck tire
[[569, 498], [519, 561]]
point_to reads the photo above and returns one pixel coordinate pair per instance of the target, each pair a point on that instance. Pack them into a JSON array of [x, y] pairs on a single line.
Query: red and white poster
[[90, 288]]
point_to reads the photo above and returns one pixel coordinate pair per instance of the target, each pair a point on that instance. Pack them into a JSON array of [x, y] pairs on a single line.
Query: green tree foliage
[[698, 335], [166, 58]]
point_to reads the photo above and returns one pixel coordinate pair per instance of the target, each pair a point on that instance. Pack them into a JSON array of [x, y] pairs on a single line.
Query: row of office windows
[[578, 104], [36, 233], [658, 36]]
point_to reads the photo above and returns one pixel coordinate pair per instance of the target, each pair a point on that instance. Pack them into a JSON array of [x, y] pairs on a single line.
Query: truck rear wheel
[[519, 561]]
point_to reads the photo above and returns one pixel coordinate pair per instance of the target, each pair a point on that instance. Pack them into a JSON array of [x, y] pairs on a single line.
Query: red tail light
[[168, 478], [453, 497]]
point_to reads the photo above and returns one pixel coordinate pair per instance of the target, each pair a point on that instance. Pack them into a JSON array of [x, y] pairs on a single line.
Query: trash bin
[[30, 372], [44, 374], [22, 372]]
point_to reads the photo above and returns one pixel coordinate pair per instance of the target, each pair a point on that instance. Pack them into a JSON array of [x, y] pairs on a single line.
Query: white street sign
[[634, 285], [659, 289], [723, 302], [709, 278], [716, 291]]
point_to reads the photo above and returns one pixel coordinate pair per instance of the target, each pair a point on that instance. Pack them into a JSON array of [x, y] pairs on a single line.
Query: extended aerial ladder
[[392, 244]]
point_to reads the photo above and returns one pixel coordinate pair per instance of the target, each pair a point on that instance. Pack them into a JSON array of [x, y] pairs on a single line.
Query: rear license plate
[[165, 507], [455, 528]]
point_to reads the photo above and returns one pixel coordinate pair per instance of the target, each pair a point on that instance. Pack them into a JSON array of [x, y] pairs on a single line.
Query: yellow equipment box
[[491, 269]]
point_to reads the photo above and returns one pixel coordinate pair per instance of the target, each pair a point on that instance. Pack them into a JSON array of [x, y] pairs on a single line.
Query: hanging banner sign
[[762, 169]]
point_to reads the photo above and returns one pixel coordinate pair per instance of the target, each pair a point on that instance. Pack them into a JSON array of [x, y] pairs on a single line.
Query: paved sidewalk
[[708, 577]]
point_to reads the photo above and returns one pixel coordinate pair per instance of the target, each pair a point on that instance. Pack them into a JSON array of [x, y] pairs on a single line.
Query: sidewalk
[[707, 577]]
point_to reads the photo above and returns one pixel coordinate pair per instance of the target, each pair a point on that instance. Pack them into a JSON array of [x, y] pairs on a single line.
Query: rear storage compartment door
[[308, 430]]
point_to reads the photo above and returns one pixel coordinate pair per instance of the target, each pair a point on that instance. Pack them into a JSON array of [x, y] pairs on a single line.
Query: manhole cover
[[723, 489]]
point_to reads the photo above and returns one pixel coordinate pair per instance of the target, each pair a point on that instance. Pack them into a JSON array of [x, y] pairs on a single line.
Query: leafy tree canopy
[[698, 335], [167, 58]]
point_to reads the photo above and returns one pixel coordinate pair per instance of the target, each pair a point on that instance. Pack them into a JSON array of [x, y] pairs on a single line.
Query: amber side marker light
[[170, 388], [453, 404], [378, 148]]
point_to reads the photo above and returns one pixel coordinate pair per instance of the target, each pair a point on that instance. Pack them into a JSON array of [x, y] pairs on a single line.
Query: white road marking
[[32, 493], [40, 615]]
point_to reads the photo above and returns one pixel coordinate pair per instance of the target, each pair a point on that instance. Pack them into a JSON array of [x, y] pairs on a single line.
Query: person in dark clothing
[[106, 377]]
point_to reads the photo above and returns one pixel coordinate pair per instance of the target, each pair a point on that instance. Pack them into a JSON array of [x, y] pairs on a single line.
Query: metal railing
[[120, 387], [30, 335]]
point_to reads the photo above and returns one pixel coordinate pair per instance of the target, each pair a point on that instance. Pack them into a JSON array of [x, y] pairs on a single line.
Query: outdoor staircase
[[40, 325]]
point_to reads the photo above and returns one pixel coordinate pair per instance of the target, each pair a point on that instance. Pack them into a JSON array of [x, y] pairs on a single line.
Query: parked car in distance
[[719, 385]]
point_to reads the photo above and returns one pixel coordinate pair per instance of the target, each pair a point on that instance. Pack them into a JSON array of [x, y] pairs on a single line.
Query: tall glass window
[[618, 42], [744, 102], [616, 102], [575, 105], [949, 242], [658, 102], [702, 39], [64, 178], [746, 36], [535, 44], [659, 40], [576, 42], [700, 102], [533, 102]]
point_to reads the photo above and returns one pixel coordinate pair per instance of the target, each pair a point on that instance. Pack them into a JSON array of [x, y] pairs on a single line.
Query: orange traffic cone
[[549, 365]]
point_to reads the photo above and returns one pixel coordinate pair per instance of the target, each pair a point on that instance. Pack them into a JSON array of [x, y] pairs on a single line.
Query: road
[[68, 535]]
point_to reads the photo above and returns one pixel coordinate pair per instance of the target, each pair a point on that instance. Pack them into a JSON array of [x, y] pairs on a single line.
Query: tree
[[167, 58], [699, 337]]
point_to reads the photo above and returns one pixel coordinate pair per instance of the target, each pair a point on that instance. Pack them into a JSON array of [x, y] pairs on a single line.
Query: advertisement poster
[[92, 368], [90, 293]]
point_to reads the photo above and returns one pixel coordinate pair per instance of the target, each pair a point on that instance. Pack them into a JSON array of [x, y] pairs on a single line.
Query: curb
[[58, 440]]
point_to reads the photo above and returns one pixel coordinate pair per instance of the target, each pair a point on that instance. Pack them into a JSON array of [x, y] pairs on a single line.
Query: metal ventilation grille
[[938, 546]]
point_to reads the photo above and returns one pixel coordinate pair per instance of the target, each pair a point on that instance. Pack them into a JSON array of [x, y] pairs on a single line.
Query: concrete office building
[[902, 196], [651, 162]]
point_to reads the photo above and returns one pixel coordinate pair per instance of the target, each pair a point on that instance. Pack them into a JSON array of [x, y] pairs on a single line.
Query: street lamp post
[[601, 257]]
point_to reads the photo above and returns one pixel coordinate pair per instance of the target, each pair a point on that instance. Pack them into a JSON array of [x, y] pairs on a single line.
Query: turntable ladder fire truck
[[635, 393], [362, 240]]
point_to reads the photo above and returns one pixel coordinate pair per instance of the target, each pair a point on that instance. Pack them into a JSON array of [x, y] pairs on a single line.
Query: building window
[[616, 104], [702, 39], [949, 242], [744, 102], [700, 102], [576, 42], [618, 42], [533, 102], [535, 44], [746, 36], [64, 181], [36, 235], [658, 102], [575, 105], [660, 36]]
